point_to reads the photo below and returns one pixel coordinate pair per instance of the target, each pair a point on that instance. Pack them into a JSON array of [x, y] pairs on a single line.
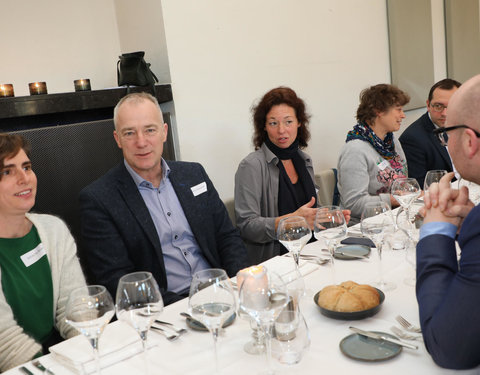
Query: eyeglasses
[[438, 107], [439, 132]]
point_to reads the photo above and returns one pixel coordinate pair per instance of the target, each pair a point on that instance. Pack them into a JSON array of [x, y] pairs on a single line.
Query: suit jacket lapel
[[441, 149]]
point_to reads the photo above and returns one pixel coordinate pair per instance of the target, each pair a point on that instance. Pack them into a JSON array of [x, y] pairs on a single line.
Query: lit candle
[[82, 85], [255, 289], [6, 90], [37, 88]]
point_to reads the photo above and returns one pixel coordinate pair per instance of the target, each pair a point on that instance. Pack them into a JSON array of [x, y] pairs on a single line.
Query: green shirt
[[27, 283]]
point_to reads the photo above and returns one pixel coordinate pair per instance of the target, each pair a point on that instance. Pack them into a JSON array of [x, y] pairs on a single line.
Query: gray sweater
[[256, 202], [364, 176]]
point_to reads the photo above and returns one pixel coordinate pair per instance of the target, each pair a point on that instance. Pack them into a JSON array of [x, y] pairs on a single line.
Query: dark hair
[[444, 84], [379, 98], [277, 96], [10, 145]]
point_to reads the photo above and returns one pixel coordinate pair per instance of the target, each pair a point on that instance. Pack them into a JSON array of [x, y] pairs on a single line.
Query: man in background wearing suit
[[147, 215], [448, 290], [422, 149]]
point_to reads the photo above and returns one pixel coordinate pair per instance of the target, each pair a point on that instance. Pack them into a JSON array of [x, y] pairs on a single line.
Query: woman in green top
[[38, 263]]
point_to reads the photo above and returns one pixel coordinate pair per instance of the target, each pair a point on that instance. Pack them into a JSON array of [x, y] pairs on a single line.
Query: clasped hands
[[444, 204]]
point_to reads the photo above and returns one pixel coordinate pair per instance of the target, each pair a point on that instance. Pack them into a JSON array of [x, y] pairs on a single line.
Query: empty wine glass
[[405, 191], [433, 176], [413, 234], [139, 303], [212, 301], [263, 295], [331, 226], [89, 309], [294, 233], [373, 224]]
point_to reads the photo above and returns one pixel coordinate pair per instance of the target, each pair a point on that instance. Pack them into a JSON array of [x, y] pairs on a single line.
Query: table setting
[[259, 328]]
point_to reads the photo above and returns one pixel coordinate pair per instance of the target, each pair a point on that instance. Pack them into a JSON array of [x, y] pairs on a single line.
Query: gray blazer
[[119, 235], [256, 202]]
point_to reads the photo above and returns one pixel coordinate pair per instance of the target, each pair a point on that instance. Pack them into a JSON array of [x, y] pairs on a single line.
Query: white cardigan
[[16, 347]]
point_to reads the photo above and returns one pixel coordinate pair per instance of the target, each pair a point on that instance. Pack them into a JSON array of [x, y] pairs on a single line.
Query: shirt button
[[176, 237], [185, 253], [169, 213]]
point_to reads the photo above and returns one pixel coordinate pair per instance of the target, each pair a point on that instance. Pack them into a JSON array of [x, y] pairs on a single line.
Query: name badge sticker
[[33, 255], [199, 189], [384, 164]]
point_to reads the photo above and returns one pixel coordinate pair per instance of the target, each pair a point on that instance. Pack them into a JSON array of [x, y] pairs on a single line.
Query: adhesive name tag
[[384, 164], [199, 189], [33, 255]]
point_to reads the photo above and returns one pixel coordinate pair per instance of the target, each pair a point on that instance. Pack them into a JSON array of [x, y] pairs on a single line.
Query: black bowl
[[356, 315]]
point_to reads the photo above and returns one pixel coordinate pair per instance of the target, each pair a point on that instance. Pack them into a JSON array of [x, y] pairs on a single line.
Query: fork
[[169, 337], [404, 335], [171, 326], [407, 325]]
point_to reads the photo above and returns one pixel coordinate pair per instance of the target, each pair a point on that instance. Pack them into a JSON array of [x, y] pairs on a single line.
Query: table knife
[[378, 336], [41, 367]]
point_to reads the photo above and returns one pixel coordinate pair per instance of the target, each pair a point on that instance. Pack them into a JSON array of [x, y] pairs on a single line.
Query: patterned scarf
[[385, 148]]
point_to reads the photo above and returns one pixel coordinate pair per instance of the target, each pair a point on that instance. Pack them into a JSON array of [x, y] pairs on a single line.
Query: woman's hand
[[307, 212], [347, 214]]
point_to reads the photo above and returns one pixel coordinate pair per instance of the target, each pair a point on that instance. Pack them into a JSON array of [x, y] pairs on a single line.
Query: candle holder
[[82, 85], [37, 88], [6, 90]]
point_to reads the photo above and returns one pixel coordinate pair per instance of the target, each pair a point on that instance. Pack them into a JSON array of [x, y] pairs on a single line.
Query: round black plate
[[360, 250], [356, 315], [363, 348], [198, 326]]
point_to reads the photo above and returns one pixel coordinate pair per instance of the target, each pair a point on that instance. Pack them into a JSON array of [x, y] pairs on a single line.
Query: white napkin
[[117, 342], [284, 265]]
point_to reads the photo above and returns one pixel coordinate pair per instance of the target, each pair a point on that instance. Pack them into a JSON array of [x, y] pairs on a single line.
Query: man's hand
[[442, 203]]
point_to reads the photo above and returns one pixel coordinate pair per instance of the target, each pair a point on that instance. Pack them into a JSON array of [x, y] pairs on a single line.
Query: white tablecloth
[[193, 352]]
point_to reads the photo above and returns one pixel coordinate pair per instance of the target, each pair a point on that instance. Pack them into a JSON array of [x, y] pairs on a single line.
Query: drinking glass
[[331, 226], [294, 233], [212, 301], [405, 191], [139, 303], [413, 234], [89, 309], [263, 295], [373, 224], [433, 176]]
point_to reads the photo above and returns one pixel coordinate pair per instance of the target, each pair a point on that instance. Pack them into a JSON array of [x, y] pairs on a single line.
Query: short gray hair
[[135, 97]]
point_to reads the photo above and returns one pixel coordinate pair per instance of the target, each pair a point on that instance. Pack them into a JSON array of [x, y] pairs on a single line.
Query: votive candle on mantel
[[82, 84], [6, 90], [37, 88]]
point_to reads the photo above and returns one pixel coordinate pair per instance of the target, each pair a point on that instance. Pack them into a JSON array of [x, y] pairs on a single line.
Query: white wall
[[57, 42], [225, 54]]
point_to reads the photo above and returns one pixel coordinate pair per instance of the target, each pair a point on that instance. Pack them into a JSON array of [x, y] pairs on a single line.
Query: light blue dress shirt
[[181, 253], [438, 227]]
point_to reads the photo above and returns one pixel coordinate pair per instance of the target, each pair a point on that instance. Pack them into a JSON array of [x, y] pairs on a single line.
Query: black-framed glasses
[[438, 107], [442, 132]]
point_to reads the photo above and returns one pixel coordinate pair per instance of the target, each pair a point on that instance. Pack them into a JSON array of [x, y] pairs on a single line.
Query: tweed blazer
[[119, 235]]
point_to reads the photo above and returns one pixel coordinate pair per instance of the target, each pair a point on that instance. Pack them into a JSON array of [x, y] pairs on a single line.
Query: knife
[[41, 367], [378, 336]]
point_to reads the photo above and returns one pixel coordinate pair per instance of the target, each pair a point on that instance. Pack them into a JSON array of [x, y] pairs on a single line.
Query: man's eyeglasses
[[442, 132], [438, 107]]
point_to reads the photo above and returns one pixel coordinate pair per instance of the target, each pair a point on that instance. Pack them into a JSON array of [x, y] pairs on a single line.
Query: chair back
[[328, 193]]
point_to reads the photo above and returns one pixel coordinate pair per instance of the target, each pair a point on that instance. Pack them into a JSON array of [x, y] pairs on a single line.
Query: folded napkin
[[118, 341], [358, 241], [284, 266]]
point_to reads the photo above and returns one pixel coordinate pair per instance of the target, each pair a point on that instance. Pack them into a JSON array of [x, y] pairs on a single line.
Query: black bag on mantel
[[132, 69]]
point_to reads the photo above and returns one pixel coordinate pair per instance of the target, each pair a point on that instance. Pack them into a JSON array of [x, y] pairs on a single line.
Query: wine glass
[[330, 225], [263, 295], [89, 309], [294, 233], [433, 176], [212, 301], [405, 191], [373, 224], [139, 303]]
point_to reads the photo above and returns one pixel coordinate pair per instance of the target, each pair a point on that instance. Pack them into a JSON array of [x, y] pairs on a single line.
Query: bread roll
[[348, 297]]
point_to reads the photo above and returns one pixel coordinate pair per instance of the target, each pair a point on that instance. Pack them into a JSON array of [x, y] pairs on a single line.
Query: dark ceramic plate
[[360, 250], [356, 315], [198, 326], [363, 348]]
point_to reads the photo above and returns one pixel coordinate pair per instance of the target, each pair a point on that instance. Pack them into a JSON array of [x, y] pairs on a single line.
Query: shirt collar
[[140, 181], [436, 126]]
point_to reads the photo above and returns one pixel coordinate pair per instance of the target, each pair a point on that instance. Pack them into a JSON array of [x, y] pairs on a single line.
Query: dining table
[[192, 352]]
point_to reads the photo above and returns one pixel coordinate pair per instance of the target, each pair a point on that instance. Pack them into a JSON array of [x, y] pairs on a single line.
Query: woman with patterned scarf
[[372, 157]]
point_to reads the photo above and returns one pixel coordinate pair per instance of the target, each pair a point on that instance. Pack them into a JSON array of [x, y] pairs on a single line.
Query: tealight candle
[[37, 88], [6, 90], [82, 85], [256, 279]]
